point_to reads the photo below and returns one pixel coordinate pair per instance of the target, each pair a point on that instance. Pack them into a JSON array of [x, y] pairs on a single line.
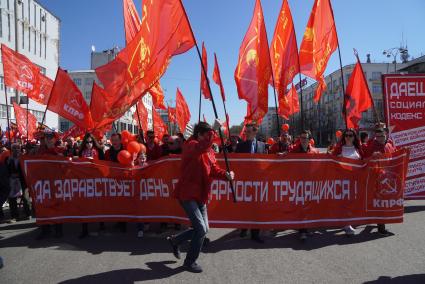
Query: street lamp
[[394, 51]]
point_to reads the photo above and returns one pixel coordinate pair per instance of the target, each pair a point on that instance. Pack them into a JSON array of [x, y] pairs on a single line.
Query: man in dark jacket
[[198, 168], [253, 146]]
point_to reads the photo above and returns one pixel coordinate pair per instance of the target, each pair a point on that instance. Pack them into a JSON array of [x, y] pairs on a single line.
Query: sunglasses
[[91, 142]]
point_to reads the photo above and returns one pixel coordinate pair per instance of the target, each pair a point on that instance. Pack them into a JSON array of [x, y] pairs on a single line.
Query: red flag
[[253, 71], [164, 32], [19, 72], [100, 107], [131, 20], [225, 125], [358, 98], [217, 78], [157, 96], [41, 95], [319, 42], [21, 122], [182, 111], [284, 50], [289, 104], [172, 115], [143, 115], [204, 81], [160, 128], [74, 132], [67, 101]]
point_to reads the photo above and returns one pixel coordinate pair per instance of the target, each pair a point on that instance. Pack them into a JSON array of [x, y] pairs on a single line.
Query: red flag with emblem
[[204, 80], [21, 122], [164, 32], [100, 107], [217, 78], [42, 93], [19, 72], [319, 42], [160, 128], [74, 132], [253, 71], [143, 115], [284, 50], [182, 111], [67, 101], [358, 98], [131, 20], [157, 96]]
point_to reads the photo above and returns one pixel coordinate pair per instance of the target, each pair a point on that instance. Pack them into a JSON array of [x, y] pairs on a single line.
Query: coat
[[198, 168], [245, 147], [373, 146]]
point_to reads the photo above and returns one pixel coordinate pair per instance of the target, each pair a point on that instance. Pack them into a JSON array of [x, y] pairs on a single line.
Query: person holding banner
[[48, 147], [304, 146], [375, 147], [253, 146], [153, 150], [283, 145], [350, 148], [198, 168], [112, 153]]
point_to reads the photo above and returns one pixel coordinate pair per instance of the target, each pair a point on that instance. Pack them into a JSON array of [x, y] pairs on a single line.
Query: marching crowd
[[139, 150]]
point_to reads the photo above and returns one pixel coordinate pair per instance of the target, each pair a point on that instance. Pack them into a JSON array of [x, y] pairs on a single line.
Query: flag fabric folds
[[289, 104], [182, 111], [217, 77], [21, 122], [204, 80]]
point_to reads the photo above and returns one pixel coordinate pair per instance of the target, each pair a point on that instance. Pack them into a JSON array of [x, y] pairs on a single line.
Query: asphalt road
[[327, 257]]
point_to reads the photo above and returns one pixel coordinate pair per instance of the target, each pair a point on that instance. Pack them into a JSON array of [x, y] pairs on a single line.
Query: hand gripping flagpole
[[212, 101]]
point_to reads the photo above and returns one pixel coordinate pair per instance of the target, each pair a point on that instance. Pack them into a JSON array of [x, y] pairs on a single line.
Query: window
[[376, 75], [64, 126], [88, 81], [1, 24], [87, 96], [3, 111], [77, 81], [376, 89], [122, 124], [45, 47], [9, 36], [1, 83], [23, 35], [38, 114]]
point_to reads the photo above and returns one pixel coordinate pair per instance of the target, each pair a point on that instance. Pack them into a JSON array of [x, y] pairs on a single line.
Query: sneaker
[[193, 267], [175, 248], [349, 231], [140, 234], [12, 221]]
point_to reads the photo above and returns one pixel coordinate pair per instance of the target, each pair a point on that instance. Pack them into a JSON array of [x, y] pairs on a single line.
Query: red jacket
[[373, 146], [198, 168], [280, 147]]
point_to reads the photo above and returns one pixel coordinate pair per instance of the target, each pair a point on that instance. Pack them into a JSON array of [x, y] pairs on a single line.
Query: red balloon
[[285, 127], [125, 158], [125, 134], [132, 138], [142, 148], [270, 141], [338, 134], [133, 147]]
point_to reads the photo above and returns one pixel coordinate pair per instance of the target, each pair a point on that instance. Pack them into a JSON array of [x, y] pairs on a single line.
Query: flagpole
[[342, 72], [212, 101], [200, 104], [7, 115], [375, 112], [28, 101]]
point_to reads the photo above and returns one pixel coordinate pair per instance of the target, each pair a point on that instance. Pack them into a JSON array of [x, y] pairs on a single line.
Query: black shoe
[[193, 267], [175, 248], [257, 239], [243, 233]]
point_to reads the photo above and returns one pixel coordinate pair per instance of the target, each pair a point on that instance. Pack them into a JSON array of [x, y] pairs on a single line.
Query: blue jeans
[[197, 213]]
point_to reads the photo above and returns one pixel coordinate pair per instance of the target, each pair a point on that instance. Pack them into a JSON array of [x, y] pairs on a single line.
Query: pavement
[[328, 256]]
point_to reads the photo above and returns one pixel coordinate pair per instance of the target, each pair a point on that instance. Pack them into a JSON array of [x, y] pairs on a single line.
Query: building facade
[[30, 29], [268, 126], [324, 118]]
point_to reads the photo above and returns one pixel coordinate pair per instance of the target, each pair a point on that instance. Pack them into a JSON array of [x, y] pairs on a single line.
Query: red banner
[[404, 98], [292, 192]]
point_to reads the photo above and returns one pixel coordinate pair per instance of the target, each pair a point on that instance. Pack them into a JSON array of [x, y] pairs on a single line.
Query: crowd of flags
[[164, 31]]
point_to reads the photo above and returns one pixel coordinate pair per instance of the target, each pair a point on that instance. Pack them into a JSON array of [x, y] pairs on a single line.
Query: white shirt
[[350, 152]]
